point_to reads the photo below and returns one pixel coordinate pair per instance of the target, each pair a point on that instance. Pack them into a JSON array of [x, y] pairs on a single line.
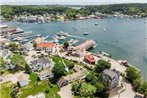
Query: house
[[40, 95], [49, 47], [23, 81], [40, 64], [89, 59], [28, 47], [45, 74], [79, 73], [112, 77]]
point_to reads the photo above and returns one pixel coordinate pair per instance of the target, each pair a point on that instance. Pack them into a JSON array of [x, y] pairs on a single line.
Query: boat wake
[[77, 37]]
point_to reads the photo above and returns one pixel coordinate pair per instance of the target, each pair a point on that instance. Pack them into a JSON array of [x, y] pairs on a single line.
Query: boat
[[96, 24], [62, 37], [55, 41], [72, 41], [17, 38], [86, 33], [61, 33], [44, 38], [104, 30]]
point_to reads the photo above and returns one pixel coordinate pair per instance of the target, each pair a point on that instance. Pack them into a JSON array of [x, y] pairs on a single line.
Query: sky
[[68, 2]]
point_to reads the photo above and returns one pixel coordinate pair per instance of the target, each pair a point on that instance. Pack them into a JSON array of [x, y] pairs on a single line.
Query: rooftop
[[46, 45], [85, 44], [110, 73]]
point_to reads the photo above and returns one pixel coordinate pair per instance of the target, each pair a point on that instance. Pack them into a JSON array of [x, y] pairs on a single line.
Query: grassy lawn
[[18, 59], [59, 59], [6, 89], [35, 87]]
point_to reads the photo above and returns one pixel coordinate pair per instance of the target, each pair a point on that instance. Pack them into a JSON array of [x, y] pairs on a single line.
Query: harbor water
[[123, 38]]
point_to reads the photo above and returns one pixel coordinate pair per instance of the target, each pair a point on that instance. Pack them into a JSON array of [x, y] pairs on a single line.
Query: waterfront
[[123, 38]]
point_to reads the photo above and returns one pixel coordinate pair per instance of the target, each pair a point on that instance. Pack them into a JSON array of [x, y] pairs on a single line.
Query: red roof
[[90, 58], [46, 45]]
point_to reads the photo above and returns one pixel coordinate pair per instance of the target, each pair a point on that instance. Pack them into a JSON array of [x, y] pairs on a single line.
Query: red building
[[89, 59]]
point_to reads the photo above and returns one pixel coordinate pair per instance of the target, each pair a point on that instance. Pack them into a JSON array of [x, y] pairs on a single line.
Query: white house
[[45, 74], [40, 64]]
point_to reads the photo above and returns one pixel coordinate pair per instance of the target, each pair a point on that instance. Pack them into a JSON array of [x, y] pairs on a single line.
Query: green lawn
[[59, 59], [6, 89], [35, 87], [18, 60]]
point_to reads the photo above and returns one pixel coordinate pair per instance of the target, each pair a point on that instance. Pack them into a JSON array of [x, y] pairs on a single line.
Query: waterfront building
[[86, 45], [112, 77], [48, 47], [89, 59]]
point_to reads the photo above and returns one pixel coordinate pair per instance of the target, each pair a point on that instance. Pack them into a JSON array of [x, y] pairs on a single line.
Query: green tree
[[75, 88], [18, 60], [28, 69], [13, 46], [100, 87], [58, 69], [89, 77], [132, 74], [87, 90], [66, 45], [102, 65]]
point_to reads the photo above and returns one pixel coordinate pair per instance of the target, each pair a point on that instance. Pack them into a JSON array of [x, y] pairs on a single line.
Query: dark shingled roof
[[110, 73]]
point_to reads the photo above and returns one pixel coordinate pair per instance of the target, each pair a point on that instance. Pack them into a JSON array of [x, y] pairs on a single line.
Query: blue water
[[119, 39]]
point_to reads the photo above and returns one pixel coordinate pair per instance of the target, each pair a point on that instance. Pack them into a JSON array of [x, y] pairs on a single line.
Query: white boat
[[104, 30], [72, 41], [61, 33], [86, 33], [62, 37], [55, 40], [96, 23]]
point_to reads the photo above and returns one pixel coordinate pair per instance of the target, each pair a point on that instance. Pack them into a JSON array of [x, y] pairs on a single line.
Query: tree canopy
[[102, 65], [58, 69]]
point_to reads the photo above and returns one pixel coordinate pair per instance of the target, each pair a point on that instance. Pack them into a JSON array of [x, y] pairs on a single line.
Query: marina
[[120, 45]]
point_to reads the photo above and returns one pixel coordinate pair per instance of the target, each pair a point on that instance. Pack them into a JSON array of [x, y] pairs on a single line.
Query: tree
[[75, 88], [18, 60], [58, 69], [102, 65], [99, 87], [87, 90], [132, 74], [28, 69], [66, 45], [13, 46], [89, 77]]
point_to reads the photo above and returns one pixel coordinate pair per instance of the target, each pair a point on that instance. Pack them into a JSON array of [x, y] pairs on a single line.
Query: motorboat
[[86, 33]]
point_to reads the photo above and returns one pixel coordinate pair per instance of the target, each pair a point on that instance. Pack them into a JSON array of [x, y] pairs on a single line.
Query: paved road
[[65, 92]]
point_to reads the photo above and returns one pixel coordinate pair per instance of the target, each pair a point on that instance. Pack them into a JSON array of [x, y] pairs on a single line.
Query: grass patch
[[67, 62], [18, 60], [6, 89], [36, 86]]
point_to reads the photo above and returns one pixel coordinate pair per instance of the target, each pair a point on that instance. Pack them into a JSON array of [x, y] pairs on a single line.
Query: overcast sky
[[68, 2]]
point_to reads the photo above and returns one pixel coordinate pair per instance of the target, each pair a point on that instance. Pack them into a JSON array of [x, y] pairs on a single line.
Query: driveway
[[65, 92], [127, 93]]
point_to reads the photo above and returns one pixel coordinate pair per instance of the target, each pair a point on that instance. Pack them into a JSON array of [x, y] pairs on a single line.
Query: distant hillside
[[130, 9]]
